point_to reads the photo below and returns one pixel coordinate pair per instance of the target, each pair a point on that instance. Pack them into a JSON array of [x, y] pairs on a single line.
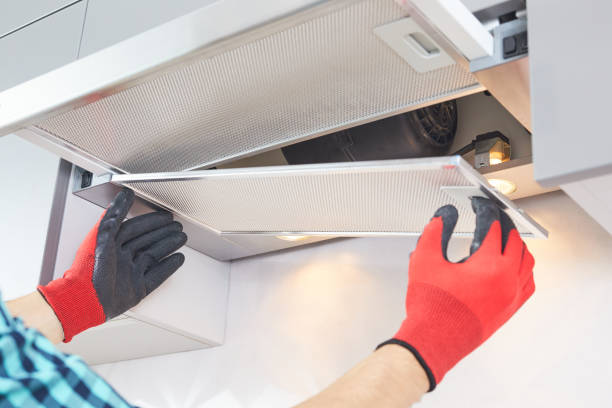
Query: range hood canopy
[[226, 81], [240, 77]]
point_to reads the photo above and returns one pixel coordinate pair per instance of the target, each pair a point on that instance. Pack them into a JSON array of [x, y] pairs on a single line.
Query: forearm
[[390, 377], [36, 313]]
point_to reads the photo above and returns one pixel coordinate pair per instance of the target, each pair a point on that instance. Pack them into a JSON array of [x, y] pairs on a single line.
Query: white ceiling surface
[[299, 319]]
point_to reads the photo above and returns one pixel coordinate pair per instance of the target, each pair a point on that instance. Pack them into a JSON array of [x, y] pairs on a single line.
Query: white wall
[[27, 183], [299, 319]]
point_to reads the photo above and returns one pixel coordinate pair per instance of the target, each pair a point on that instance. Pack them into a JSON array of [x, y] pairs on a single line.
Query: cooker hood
[[233, 79], [239, 78]]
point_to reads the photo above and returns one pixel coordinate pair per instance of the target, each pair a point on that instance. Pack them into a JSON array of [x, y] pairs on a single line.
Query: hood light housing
[[489, 149]]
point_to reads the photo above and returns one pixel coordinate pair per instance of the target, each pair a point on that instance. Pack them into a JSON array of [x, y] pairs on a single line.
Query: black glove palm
[[131, 258]]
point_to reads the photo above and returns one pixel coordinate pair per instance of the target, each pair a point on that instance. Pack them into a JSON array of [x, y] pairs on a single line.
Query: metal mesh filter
[[357, 198], [308, 79]]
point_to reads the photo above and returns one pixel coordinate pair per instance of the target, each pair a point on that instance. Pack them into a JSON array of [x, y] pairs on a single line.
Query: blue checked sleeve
[[33, 373]]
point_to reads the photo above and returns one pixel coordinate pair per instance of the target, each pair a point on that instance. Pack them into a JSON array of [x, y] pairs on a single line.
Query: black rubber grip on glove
[[133, 258], [486, 211]]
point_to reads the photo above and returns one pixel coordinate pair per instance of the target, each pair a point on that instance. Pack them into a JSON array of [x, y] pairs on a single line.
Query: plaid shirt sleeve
[[33, 373]]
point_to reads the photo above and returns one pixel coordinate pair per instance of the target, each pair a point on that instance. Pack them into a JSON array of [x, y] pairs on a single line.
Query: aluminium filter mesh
[[390, 199], [318, 75]]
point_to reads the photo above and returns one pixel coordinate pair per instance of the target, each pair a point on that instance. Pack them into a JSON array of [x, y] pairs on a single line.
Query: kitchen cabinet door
[[41, 47], [570, 100], [570, 89], [111, 21], [18, 13]]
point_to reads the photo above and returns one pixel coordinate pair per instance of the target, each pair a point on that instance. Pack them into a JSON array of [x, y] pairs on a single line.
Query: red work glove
[[116, 266], [452, 308]]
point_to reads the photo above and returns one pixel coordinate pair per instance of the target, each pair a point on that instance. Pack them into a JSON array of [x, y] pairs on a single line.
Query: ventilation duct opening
[[424, 132]]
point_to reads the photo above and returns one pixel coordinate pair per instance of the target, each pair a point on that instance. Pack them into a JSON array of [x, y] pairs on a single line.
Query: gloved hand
[[116, 266], [452, 308]]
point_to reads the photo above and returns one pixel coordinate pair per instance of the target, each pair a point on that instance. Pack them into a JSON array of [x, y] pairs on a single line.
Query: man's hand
[[116, 266], [452, 308]]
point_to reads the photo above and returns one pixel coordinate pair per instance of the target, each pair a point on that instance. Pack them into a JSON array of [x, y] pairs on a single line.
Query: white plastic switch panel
[[453, 19], [411, 43]]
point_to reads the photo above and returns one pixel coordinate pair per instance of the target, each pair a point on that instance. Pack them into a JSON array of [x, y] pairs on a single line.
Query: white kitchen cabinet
[[18, 13], [111, 21], [570, 89], [570, 93], [41, 47]]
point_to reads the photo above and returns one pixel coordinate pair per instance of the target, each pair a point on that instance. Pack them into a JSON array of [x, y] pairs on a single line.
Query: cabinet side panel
[[42, 46]]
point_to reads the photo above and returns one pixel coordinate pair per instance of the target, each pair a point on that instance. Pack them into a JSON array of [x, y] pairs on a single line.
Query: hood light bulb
[[504, 186], [292, 237]]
